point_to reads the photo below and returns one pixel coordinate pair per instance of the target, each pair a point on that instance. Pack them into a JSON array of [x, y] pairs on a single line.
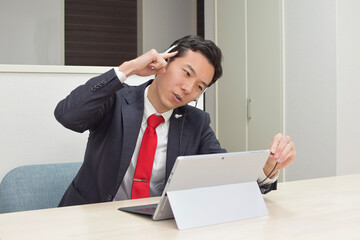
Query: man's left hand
[[282, 151]]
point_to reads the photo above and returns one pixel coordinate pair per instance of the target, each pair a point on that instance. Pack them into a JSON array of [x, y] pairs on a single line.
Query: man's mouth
[[177, 97]]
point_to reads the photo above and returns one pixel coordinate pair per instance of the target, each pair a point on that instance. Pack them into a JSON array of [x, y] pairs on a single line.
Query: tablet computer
[[208, 170]]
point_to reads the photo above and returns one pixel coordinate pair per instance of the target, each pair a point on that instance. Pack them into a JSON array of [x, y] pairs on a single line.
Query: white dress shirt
[[157, 181]]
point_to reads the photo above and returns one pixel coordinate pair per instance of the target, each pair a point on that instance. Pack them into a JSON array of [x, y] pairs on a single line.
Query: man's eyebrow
[[204, 83], [191, 68]]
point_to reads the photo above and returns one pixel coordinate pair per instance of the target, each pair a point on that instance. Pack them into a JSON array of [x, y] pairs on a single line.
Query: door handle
[[248, 109]]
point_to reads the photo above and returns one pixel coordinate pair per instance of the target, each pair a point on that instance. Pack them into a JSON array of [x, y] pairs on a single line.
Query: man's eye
[[200, 87], [187, 73]]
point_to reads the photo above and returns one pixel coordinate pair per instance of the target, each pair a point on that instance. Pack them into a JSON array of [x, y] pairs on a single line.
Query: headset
[[170, 48]]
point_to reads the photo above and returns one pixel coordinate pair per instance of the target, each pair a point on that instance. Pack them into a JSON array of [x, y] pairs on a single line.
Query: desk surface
[[327, 208]]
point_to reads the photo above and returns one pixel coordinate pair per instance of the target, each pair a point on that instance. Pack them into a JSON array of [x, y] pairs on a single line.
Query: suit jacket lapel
[[132, 113]]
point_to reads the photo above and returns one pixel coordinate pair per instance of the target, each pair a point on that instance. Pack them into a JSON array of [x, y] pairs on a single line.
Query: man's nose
[[187, 86]]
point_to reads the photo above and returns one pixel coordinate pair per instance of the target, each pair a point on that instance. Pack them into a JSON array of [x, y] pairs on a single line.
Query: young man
[[120, 119]]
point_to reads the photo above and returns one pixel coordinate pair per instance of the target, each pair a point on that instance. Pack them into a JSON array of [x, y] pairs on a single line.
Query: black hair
[[206, 47]]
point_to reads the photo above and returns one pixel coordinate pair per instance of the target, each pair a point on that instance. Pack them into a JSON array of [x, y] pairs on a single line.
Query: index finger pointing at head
[[168, 55]]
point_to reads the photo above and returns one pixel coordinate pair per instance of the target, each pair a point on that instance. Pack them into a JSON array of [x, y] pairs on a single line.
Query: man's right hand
[[149, 63]]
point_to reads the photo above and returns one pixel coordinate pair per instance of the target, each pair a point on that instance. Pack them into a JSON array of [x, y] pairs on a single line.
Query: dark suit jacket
[[113, 112]]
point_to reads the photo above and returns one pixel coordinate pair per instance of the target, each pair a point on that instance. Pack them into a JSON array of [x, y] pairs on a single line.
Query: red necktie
[[144, 165]]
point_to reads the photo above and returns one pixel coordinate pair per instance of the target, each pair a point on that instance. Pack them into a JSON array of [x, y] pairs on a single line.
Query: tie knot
[[154, 120]]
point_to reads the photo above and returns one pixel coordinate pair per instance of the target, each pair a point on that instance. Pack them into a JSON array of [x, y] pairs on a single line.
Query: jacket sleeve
[[268, 187], [85, 106], [209, 143]]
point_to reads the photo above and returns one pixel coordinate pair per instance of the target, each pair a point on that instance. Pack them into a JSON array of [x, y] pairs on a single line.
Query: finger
[[160, 63], [289, 159], [275, 142], [271, 159], [286, 153], [280, 148], [155, 70], [168, 55]]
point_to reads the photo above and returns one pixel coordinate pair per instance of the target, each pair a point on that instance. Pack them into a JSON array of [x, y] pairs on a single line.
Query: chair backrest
[[33, 187]]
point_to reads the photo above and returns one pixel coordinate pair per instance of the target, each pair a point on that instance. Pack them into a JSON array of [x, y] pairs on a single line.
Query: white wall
[[30, 133], [164, 21], [348, 86], [322, 65], [31, 32], [310, 86]]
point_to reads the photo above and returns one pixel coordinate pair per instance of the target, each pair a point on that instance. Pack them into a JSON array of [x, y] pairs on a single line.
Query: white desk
[[327, 208]]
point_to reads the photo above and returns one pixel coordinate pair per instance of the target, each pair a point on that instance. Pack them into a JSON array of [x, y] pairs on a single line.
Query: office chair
[[38, 186]]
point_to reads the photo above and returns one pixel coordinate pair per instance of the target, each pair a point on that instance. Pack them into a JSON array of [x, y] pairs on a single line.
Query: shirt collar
[[150, 110]]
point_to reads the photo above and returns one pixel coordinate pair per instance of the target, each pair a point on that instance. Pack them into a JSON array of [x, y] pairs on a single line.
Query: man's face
[[184, 80]]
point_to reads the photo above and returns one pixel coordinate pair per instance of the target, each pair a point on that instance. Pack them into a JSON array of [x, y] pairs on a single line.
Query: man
[[118, 118]]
